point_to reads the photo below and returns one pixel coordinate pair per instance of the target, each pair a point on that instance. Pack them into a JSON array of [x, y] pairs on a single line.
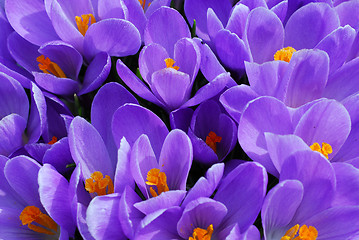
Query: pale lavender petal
[[122, 177], [348, 13], [111, 9]]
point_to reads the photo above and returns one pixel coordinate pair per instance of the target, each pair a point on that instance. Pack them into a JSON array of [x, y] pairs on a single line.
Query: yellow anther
[[170, 62], [83, 22], [98, 184], [159, 179], [49, 67], [212, 139], [202, 234], [326, 149], [305, 233], [44, 224], [285, 54]]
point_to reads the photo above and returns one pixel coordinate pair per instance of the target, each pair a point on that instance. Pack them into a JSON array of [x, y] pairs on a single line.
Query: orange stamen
[[44, 224], [98, 184], [53, 140], [326, 149], [202, 234], [285, 54], [170, 62], [212, 139], [305, 233], [83, 22], [49, 67], [159, 179]]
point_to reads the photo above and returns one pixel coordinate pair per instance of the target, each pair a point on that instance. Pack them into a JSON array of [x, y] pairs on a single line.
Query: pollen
[[53, 140], [212, 139], [326, 149], [84, 22], [143, 4], [49, 67], [170, 62], [202, 234], [285, 54], [99, 184], [305, 233], [38, 221], [159, 179]]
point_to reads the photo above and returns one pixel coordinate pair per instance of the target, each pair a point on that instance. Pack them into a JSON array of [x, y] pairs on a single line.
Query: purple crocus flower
[[230, 213], [319, 122], [26, 200], [169, 64], [212, 132], [309, 199]]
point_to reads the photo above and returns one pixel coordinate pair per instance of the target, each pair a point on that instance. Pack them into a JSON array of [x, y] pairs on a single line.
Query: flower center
[[49, 67], [159, 179], [98, 184], [305, 233], [38, 221], [83, 22], [285, 54], [212, 139], [326, 149], [53, 140], [143, 3], [202, 234], [170, 62]]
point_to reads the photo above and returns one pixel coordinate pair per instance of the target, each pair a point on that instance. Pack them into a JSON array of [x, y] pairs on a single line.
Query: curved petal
[[12, 128], [213, 23], [237, 20], [59, 155], [53, 84], [122, 177], [348, 13]]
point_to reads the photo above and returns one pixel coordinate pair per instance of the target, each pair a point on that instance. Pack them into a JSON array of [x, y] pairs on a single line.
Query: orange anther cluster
[[170, 62], [159, 179], [212, 139], [285, 54], [83, 22], [202, 234], [326, 149], [38, 221], [305, 233], [53, 140], [49, 67], [143, 3], [98, 184]]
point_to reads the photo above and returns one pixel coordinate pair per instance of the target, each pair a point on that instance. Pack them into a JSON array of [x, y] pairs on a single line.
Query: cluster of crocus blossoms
[[194, 119]]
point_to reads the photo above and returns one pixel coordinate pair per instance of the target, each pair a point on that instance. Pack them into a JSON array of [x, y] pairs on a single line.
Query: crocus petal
[[257, 119], [122, 177], [280, 9], [13, 98], [135, 13], [12, 128], [348, 13], [181, 118], [265, 34], [53, 191], [25, 184], [253, 4], [322, 19], [197, 10], [283, 198], [59, 155], [131, 121], [309, 71], [117, 37], [165, 27], [107, 100], [245, 184], [337, 45], [156, 4], [13, 70], [213, 23], [111, 9], [318, 179], [237, 20], [88, 148], [30, 20], [328, 121], [200, 213], [102, 214], [81, 222], [53, 84], [201, 151], [176, 159]]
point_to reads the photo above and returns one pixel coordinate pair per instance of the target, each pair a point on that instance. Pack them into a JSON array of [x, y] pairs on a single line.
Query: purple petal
[[265, 34], [53, 84], [280, 10], [88, 149], [111, 9], [12, 128], [59, 155], [156, 4], [165, 27], [309, 71], [131, 121], [237, 20], [242, 192], [181, 118], [107, 100], [37, 150], [213, 23], [348, 13], [322, 19], [81, 222], [16, 72], [176, 159], [253, 4], [135, 13], [30, 20], [201, 151], [102, 214], [117, 37], [25, 184], [53, 190], [122, 177]]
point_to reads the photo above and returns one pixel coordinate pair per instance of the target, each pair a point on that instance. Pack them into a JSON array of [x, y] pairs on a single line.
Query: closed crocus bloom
[[302, 205], [28, 208]]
